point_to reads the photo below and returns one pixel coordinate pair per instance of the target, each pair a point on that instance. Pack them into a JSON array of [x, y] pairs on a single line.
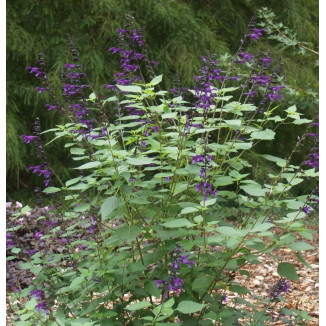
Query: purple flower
[[281, 286], [28, 139], [63, 241], [167, 179], [40, 89], [42, 306], [93, 226], [51, 107], [38, 235], [9, 242], [184, 260], [251, 94], [121, 31], [35, 70], [197, 158], [256, 33], [247, 56], [306, 209], [31, 252], [18, 204], [155, 128], [37, 293], [224, 297], [70, 66]]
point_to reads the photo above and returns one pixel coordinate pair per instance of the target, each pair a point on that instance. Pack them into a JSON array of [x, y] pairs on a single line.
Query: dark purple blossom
[[9, 242], [256, 33], [184, 260], [38, 294], [41, 89], [38, 235], [28, 139], [35, 70], [246, 56], [51, 107], [281, 286]]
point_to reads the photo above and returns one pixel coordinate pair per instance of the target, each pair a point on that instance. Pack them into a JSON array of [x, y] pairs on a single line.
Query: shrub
[[163, 210]]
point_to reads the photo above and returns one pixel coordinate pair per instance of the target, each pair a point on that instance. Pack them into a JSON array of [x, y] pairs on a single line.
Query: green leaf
[[262, 227], [279, 161], [239, 289], [108, 206], [73, 181], [266, 134], [208, 202], [128, 233], [78, 280], [189, 210], [156, 80], [300, 246], [138, 306], [140, 161], [189, 307], [303, 261], [201, 284], [287, 270], [30, 305], [82, 208], [254, 190], [15, 250], [178, 223], [89, 165], [77, 151], [51, 190], [130, 89]]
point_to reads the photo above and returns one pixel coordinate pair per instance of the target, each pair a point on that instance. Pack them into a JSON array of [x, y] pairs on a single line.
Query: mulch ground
[[304, 294]]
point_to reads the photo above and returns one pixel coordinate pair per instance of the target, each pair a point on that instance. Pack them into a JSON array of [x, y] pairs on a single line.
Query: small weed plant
[[165, 208]]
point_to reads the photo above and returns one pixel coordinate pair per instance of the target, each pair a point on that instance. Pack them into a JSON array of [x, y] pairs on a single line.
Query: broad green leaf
[[78, 280], [266, 134], [239, 289], [130, 89], [300, 246], [201, 284], [77, 151], [138, 306], [89, 165], [279, 161], [140, 161], [108, 206], [156, 80], [128, 233], [51, 190], [287, 270], [254, 190], [177, 223], [189, 210], [208, 202], [82, 208], [262, 227], [16, 250], [73, 181], [189, 307]]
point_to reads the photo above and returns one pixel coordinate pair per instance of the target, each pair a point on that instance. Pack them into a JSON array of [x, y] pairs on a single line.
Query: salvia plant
[[164, 210]]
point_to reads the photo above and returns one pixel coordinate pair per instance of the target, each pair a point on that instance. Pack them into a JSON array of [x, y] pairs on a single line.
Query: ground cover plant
[[164, 208]]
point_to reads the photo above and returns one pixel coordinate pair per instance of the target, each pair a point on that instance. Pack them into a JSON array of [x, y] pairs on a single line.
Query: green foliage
[[178, 33], [144, 219]]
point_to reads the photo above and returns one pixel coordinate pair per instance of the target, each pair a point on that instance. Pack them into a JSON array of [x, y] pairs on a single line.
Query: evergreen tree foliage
[[178, 32]]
